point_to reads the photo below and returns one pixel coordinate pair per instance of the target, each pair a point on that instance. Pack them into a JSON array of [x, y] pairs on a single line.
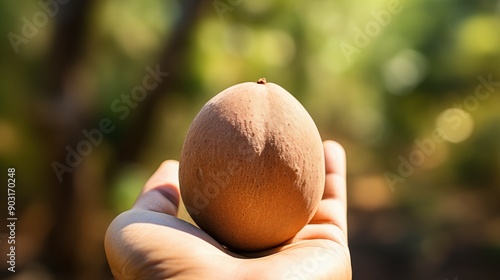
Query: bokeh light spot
[[404, 71], [456, 124]]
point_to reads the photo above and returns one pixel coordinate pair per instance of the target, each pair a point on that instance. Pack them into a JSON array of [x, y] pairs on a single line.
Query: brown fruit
[[252, 168]]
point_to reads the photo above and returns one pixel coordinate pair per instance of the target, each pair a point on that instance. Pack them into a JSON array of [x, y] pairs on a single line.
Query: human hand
[[150, 242]]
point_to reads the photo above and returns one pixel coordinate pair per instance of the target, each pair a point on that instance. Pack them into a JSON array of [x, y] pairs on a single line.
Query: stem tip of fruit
[[261, 81]]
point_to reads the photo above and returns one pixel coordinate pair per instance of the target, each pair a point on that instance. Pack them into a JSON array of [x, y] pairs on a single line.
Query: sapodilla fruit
[[252, 168]]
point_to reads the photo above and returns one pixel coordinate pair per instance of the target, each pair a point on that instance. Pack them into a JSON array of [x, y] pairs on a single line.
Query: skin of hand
[[150, 242]]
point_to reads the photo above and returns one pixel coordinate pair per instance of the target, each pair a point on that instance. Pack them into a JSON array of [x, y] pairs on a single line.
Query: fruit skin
[[252, 168]]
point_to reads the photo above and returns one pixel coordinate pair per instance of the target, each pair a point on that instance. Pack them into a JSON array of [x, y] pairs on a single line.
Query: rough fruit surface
[[252, 168]]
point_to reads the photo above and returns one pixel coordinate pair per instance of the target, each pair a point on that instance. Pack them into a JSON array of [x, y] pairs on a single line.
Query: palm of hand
[[149, 242]]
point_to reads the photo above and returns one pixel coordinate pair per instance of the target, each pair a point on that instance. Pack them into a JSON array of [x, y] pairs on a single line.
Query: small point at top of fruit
[[262, 81]]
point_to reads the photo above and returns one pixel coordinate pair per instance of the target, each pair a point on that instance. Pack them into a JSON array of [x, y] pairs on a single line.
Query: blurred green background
[[383, 78]]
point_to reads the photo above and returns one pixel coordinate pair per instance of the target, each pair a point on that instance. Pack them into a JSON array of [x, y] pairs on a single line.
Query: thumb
[[161, 191]]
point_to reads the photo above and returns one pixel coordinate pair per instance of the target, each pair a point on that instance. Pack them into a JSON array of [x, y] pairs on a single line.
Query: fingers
[[161, 191], [335, 167], [333, 207]]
